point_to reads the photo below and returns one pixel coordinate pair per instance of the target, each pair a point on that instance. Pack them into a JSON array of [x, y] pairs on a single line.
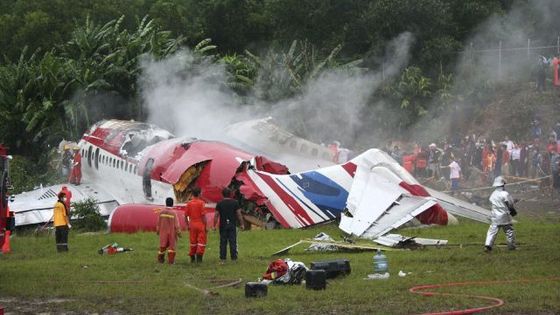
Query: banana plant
[[284, 74], [242, 73]]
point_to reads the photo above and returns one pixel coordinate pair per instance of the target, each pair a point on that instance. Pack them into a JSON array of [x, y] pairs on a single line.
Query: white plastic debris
[[322, 247], [378, 276], [402, 274]]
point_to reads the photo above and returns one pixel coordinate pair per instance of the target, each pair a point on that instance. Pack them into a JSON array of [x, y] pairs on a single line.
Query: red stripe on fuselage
[[297, 210], [250, 188]]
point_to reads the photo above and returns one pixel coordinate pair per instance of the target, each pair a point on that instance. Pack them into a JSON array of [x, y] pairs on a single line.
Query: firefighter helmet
[[499, 181]]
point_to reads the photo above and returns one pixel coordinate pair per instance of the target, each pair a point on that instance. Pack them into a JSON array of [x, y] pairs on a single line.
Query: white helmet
[[499, 181]]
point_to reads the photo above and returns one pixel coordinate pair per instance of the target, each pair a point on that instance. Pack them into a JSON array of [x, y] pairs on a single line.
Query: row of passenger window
[[303, 149], [109, 161]]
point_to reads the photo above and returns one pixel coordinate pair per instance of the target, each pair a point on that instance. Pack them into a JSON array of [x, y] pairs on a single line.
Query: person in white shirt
[[502, 213], [454, 175], [515, 158], [509, 145]]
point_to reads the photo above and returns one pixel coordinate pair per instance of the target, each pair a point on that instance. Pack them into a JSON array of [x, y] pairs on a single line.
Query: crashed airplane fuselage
[[126, 162]]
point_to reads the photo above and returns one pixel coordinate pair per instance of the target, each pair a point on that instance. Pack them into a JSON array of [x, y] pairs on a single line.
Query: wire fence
[[502, 59]]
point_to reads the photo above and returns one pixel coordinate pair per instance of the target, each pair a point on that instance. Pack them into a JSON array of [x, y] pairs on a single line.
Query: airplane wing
[[36, 206], [461, 208]]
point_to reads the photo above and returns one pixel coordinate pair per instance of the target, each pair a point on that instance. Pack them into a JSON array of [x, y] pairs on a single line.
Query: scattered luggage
[[255, 289], [316, 279], [333, 268]]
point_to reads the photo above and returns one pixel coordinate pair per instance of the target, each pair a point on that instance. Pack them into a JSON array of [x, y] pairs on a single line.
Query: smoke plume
[[504, 51], [187, 95]]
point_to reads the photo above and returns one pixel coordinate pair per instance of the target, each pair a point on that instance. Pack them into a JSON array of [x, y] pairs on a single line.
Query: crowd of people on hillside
[[485, 158]]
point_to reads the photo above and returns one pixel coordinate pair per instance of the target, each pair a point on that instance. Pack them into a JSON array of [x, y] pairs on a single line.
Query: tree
[[283, 74], [411, 92], [106, 60], [233, 25]]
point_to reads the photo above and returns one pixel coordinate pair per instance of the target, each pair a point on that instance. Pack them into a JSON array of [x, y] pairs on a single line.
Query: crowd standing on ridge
[[482, 160]]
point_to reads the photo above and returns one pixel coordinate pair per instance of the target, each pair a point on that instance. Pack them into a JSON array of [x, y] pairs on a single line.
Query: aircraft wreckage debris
[[130, 168], [340, 245]]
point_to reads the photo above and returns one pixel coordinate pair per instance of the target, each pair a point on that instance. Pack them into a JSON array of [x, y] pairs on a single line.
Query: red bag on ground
[[276, 269]]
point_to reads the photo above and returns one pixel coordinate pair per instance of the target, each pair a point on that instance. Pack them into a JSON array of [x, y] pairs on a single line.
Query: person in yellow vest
[[61, 223]]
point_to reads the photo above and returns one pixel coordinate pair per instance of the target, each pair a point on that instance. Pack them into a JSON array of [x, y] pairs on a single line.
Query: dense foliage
[[67, 63], [361, 27]]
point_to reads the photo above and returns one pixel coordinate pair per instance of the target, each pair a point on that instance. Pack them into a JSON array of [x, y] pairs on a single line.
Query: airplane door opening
[[89, 156], [97, 159], [147, 180]]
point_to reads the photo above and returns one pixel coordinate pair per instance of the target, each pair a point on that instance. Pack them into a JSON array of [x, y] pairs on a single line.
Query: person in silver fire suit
[[502, 212]]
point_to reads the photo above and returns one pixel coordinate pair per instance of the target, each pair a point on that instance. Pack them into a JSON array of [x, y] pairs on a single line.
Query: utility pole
[[500, 61], [528, 49]]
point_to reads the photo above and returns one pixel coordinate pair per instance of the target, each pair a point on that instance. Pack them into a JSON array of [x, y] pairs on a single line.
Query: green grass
[[34, 275]]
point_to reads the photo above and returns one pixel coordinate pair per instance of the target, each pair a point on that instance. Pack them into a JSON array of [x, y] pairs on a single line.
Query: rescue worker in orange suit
[[8, 230], [68, 199], [168, 230], [61, 223], [76, 174], [196, 223]]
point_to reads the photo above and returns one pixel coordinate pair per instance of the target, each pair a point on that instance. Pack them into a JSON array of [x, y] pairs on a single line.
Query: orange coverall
[[197, 226], [168, 229]]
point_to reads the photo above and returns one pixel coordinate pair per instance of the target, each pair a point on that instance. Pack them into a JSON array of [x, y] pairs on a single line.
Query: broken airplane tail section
[[303, 199], [384, 196], [370, 187], [372, 194]]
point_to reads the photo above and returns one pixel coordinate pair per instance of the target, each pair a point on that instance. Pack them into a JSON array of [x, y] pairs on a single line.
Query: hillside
[[509, 113], [513, 108]]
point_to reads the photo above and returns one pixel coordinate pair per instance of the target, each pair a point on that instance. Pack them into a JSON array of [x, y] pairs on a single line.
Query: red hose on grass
[[495, 302]]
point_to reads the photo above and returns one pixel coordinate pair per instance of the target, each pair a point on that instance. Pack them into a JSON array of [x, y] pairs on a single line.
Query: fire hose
[[495, 302]]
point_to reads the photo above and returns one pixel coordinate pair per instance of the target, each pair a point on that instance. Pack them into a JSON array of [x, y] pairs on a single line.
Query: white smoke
[[496, 54], [331, 107], [505, 47], [186, 94]]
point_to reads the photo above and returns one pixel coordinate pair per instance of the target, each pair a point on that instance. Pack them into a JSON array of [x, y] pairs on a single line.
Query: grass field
[[34, 278]]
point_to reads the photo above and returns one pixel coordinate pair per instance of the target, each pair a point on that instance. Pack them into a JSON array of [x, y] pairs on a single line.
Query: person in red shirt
[[168, 230], [76, 174], [196, 223], [68, 199]]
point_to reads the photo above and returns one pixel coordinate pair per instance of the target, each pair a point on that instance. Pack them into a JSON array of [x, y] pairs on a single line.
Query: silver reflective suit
[[501, 218]]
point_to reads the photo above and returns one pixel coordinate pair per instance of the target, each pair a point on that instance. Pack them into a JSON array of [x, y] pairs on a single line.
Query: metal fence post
[[500, 61]]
